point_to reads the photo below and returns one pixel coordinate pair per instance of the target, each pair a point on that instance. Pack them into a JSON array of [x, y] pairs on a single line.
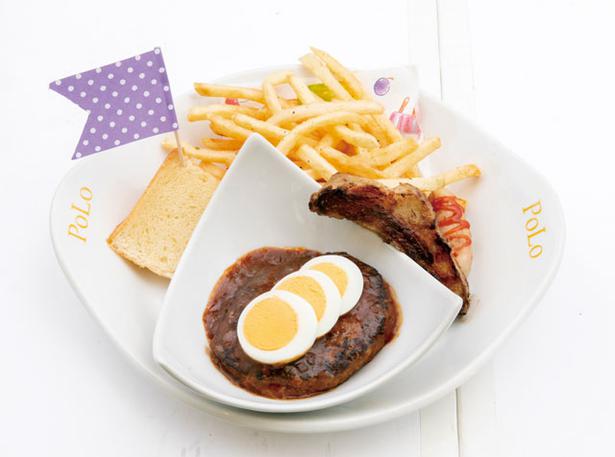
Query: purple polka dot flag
[[126, 100]]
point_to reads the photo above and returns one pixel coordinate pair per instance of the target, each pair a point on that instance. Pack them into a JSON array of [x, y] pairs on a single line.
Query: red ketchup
[[455, 220]]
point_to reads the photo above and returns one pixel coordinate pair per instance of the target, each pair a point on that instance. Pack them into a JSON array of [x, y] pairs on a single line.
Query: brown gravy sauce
[[354, 340]]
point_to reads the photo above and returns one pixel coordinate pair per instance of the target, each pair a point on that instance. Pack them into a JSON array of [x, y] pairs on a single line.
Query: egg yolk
[[308, 289], [335, 273], [270, 325]]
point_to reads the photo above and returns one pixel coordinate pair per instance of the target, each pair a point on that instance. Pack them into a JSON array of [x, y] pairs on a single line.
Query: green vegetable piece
[[322, 91]]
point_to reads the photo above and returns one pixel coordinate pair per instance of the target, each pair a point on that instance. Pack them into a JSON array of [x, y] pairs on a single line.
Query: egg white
[[354, 288], [333, 299], [300, 343]]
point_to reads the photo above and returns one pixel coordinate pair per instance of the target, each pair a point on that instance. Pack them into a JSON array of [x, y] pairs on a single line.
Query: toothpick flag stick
[[180, 150], [127, 101]]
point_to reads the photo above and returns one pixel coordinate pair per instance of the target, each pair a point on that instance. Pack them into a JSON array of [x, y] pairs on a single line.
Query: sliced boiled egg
[[344, 273], [319, 291], [277, 327]]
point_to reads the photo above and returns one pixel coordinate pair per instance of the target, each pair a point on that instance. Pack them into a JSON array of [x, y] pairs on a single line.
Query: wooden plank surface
[[476, 398], [546, 75], [439, 428], [192, 436], [439, 433]]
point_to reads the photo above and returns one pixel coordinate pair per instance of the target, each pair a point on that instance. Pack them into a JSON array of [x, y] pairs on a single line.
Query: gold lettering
[[87, 213], [86, 193], [536, 208], [536, 251], [532, 228], [532, 235], [73, 230], [80, 221], [81, 218], [534, 222]]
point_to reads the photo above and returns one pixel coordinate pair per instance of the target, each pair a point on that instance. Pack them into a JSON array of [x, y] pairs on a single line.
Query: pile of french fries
[[346, 132]]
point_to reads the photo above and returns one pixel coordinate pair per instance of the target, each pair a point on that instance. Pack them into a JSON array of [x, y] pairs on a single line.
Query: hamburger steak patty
[[354, 340]]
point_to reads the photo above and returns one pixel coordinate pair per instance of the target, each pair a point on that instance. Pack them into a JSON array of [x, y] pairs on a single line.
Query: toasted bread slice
[[156, 231]]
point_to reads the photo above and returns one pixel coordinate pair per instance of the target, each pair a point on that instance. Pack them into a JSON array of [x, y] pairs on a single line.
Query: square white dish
[[506, 282], [263, 201]]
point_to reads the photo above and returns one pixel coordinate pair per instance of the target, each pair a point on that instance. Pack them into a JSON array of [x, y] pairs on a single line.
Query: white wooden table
[[538, 74]]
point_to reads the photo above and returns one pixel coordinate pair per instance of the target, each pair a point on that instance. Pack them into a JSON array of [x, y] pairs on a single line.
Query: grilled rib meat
[[402, 217]]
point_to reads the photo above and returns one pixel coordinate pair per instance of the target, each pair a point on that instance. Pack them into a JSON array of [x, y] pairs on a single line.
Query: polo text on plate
[[532, 228], [81, 212]]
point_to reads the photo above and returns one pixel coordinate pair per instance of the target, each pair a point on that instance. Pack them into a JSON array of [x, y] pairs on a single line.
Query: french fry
[[304, 94], [307, 170], [320, 70], [306, 140], [226, 127], [356, 138], [444, 179], [303, 112], [413, 172], [436, 182], [363, 159], [271, 97], [207, 155], [246, 93], [401, 166], [374, 128], [311, 173], [327, 140], [279, 77], [272, 132], [288, 102], [325, 120], [169, 144], [221, 144], [390, 130], [202, 113], [347, 164], [218, 90], [349, 134], [213, 169], [312, 158], [361, 147], [384, 156], [359, 138], [341, 73]]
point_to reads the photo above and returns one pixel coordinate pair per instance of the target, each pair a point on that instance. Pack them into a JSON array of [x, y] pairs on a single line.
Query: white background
[[538, 74]]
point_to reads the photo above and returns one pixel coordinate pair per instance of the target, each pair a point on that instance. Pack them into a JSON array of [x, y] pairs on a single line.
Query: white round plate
[[518, 231]]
